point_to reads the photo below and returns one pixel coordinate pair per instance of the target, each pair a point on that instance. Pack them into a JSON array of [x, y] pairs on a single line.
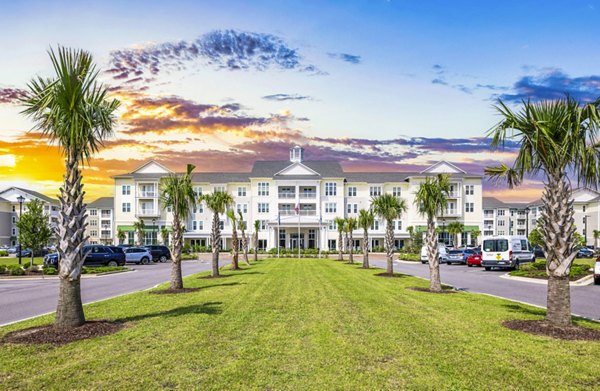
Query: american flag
[[297, 208]]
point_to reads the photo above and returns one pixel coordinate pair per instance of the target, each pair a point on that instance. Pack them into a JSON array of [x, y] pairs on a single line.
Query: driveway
[[585, 300], [22, 299]]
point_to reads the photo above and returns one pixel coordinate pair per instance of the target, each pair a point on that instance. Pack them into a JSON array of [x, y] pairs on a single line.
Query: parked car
[[585, 252], [474, 259], [159, 253], [26, 253], [459, 255], [125, 245], [51, 260], [13, 250], [538, 252], [505, 251], [442, 253], [138, 255], [597, 272], [99, 255]]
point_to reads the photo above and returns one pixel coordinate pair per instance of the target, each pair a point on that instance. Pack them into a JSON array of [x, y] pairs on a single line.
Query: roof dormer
[[296, 154]]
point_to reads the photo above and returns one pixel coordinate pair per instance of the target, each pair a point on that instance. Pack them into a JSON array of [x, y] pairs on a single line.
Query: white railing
[[488, 227], [287, 195], [147, 212], [105, 226], [488, 215], [308, 195], [454, 194], [148, 194], [301, 213]]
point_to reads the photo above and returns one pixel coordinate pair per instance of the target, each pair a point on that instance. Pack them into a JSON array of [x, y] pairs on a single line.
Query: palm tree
[[475, 236], [164, 235], [217, 202], [177, 194], [365, 221], [351, 224], [558, 140], [73, 111], [234, 239], [255, 239], [455, 228], [388, 208], [120, 235], [139, 226], [340, 223], [244, 237], [431, 199]]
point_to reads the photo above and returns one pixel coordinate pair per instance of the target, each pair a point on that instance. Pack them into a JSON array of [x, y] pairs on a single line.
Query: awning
[[125, 228], [148, 228], [471, 228], [420, 228]]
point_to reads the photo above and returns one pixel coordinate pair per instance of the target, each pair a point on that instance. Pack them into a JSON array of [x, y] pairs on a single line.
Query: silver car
[[137, 255]]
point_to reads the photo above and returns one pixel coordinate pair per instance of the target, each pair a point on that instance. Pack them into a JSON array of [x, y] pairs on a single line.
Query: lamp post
[[21, 199], [585, 229], [527, 210], [444, 230], [155, 233]]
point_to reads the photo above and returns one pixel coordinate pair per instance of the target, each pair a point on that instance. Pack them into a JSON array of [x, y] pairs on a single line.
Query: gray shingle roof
[[268, 168], [220, 177], [376, 177], [102, 202], [493, 202], [37, 194]]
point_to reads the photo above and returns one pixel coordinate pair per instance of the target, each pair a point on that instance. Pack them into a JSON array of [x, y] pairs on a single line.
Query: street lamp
[[527, 210], [154, 231], [444, 230], [21, 199], [585, 229]]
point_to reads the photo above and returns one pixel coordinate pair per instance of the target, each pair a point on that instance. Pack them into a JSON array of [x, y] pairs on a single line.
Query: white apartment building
[[10, 207], [507, 218], [295, 202], [100, 221]]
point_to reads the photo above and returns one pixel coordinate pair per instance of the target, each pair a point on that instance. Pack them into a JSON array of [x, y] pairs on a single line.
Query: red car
[[474, 260]]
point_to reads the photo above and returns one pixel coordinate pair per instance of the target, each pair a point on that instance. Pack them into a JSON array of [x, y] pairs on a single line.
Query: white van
[[505, 252], [442, 253]]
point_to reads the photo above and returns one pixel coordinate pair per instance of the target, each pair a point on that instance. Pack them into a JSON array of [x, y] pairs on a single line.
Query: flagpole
[[319, 237], [278, 229], [298, 211]]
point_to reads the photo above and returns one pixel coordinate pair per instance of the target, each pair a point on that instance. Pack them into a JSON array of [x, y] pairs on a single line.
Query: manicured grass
[[5, 261], [305, 324]]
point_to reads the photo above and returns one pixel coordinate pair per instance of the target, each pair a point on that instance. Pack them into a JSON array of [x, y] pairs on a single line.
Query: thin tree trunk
[[366, 249], [341, 246], [559, 227], [71, 228], [245, 247], [350, 248], [255, 244], [435, 284], [216, 244], [234, 250], [176, 276], [389, 246]]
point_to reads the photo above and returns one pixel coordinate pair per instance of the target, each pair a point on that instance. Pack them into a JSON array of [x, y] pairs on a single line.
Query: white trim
[[294, 165], [428, 169], [151, 162]]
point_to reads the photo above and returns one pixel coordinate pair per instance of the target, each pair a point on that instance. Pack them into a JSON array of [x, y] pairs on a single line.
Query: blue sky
[[389, 85]]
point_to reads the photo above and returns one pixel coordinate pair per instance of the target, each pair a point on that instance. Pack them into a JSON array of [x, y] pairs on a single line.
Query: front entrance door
[[294, 241]]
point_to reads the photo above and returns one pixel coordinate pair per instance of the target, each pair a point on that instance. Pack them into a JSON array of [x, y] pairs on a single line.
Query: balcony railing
[[105, 215], [454, 194], [147, 212], [308, 195], [287, 195], [148, 194], [451, 212], [488, 215], [488, 227], [105, 226], [301, 213]]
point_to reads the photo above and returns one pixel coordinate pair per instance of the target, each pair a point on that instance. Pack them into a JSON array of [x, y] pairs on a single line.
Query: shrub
[[409, 257], [3, 253], [101, 269], [186, 248], [3, 269], [187, 257], [15, 270], [50, 271], [378, 249]]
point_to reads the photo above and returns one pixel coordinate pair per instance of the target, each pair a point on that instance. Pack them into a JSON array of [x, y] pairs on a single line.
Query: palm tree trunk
[[234, 250], [435, 284], [559, 227], [216, 244], [366, 249], [71, 228], [176, 276], [389, 246], [245, 247], [255, 244], [350, 248], [341, 246]]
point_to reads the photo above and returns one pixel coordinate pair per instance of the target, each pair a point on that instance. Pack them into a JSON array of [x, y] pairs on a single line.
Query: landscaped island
[[304, 324]]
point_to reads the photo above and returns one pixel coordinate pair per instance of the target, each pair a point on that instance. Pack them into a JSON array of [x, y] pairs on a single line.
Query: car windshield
[[456, 252], [495, 245]]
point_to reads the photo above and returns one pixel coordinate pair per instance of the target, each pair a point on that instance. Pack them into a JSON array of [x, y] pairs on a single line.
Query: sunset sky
[[378, 85]]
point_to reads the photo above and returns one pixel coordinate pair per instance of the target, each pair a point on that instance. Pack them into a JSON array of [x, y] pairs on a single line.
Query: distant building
[[100, 221], [507, 218], [9, 211]]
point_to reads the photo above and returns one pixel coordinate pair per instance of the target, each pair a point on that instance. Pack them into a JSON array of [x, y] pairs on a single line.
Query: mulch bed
[[541, 327], [174, 291], [60, 336], [420, 289], [390, 275]]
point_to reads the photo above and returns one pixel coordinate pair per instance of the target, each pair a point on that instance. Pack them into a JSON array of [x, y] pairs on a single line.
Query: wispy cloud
[[554, 84], [221, 49], [284, 97], [11, 95], [351, 58]]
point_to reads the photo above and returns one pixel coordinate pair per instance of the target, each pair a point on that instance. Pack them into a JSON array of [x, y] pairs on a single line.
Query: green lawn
[[24, 261], [305, 324]]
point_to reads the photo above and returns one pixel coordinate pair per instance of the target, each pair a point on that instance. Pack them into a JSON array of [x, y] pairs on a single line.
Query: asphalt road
[[585, 300], [22, 299]]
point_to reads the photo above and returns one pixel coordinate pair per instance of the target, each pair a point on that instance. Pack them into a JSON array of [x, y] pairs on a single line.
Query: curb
[[587, 280], [55, 277]]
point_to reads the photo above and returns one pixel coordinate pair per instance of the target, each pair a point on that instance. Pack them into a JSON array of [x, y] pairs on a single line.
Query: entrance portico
[[292, 232]]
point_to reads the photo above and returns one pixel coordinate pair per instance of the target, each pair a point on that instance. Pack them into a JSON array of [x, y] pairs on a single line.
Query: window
[[221, 224], [501, 223], [262, 244], [263, 188], [282, 238], [93, 223], [396, 191], [375, 226], [194, 225], [93, 212], [198, 191], [469, 189], [199, 208], [375, 191], [469, 207], [242, 208], [169, 209], [263, 207], [126, 207], [332, 244], [583, 208], [332, 225], [330, 207], [263, 225], [93, 233], [398, 225], [14, 232], [197, 225], [330, 188], [352, 208], [14, 219], [130, 238], [241, 192], [219, 188], [14, 208], [126, 189], [352, 191], [501, 212]]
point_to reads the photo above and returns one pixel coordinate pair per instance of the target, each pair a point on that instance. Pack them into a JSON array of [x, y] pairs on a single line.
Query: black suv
[[97, 255], [159, 253]]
